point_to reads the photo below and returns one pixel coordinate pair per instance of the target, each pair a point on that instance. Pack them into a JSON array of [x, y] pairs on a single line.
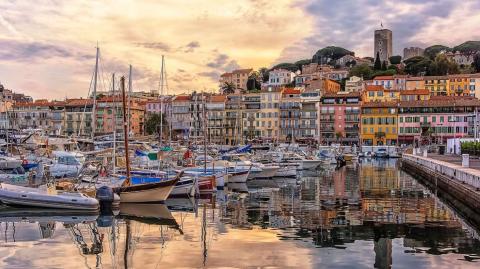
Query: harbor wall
[[459, 182]]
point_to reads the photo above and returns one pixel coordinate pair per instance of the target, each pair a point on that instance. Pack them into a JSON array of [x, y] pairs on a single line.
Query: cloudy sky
[[47, 47]]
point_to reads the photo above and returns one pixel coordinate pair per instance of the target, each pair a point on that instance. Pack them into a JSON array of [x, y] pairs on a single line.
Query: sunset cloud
[[51, 53]]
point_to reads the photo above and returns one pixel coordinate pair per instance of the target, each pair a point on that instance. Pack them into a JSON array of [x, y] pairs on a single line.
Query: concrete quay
[[462, 183]]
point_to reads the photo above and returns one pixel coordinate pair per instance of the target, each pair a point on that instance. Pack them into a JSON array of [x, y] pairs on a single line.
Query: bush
[[472, 148]]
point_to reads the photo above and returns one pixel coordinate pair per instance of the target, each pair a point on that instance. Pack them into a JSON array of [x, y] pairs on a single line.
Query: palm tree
[[228, 88]]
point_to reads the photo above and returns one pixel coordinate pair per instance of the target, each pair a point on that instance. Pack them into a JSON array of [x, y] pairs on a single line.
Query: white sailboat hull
[[267, 172], [144, 193], [310, 164], [187, 188], [238, 177], [286, 171]]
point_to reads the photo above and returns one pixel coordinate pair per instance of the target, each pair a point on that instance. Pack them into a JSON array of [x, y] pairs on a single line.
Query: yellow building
[[436, 85], [459, 85], [238, 78], [270, 113], [377, 93], [379, 123]]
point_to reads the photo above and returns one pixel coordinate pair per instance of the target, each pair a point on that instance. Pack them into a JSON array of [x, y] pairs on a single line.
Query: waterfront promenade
[[456, 159], [446, 172]]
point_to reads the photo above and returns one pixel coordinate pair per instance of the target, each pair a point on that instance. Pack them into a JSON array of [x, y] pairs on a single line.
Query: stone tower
[[383, 44]]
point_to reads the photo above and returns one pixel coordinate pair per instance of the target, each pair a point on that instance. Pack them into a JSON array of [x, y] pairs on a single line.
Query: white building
[[279, 77], [354, 84]]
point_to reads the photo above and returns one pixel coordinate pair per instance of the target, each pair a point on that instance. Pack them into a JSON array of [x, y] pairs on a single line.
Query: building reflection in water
[[373, 200]]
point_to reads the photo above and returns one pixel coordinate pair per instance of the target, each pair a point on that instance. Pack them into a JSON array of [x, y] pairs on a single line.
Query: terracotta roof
[[476, 75], [342, 94], [225, 74], [415, 92], [443, 101], [107, 99], [79, 102], [217, 98], [182, 98], [380, 104], [434, 77], [383, 78], [290, 91], [401, 76], [374, 88], [40, 103], [246, 70], [414, 78], [272, 89]]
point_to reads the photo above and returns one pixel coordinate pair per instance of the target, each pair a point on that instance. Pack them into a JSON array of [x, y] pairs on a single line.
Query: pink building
[[161, 104], [434, 121], [340, 118]]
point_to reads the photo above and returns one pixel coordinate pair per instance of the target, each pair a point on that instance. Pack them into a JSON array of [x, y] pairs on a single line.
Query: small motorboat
[[46, 197]]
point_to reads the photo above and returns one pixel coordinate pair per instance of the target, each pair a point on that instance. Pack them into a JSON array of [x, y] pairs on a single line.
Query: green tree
[[389, 72], [476, 62], [442, 66], [264, 74], [253, 82], [469, 46], [300, 63], [288, 66], [378, 64], [384, 65], [417, 65], [363, 70], [432, 51], [152, 125], [330, 54], [228, 88], [397, 59]]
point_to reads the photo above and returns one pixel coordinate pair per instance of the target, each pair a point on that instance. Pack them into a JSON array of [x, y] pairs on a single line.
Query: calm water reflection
[[361, 216]]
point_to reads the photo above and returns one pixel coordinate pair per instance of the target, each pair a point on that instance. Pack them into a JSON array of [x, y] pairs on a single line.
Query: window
[[441, 119]]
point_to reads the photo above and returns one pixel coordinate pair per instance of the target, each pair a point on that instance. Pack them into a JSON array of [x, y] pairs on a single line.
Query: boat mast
[[7, 123], [125, 132], [161, 99], [94, 116], [129, 94], [204, 136], [114, 124]]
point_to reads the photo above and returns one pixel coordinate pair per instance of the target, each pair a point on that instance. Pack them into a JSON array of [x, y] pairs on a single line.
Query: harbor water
[[364, 215]]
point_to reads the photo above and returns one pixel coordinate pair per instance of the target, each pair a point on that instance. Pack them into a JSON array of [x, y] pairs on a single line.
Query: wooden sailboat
[[141, 193]]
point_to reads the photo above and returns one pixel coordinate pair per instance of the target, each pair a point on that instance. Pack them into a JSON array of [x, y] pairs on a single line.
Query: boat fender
[[24, 162]]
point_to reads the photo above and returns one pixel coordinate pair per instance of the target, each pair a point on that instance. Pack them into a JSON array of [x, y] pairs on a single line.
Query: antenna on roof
[[381, 24]]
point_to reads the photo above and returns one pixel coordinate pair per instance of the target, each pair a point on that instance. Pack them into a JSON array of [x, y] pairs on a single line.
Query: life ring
[[24, 162]]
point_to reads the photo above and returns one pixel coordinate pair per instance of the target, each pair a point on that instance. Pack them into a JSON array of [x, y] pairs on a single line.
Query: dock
[[447, 174]]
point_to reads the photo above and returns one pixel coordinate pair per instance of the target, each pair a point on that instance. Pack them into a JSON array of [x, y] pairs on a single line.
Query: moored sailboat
[[141, 193]]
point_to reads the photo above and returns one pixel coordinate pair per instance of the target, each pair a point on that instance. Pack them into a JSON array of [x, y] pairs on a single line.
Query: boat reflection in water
[[364, 215]]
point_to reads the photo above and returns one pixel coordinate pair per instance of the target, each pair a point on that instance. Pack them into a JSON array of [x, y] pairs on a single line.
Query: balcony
[[352, 129], [425, 124], [327, 129], [356, 120], [283, 106]]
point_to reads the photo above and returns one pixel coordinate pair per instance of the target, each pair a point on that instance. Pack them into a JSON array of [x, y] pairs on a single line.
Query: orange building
[[324, 85]]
